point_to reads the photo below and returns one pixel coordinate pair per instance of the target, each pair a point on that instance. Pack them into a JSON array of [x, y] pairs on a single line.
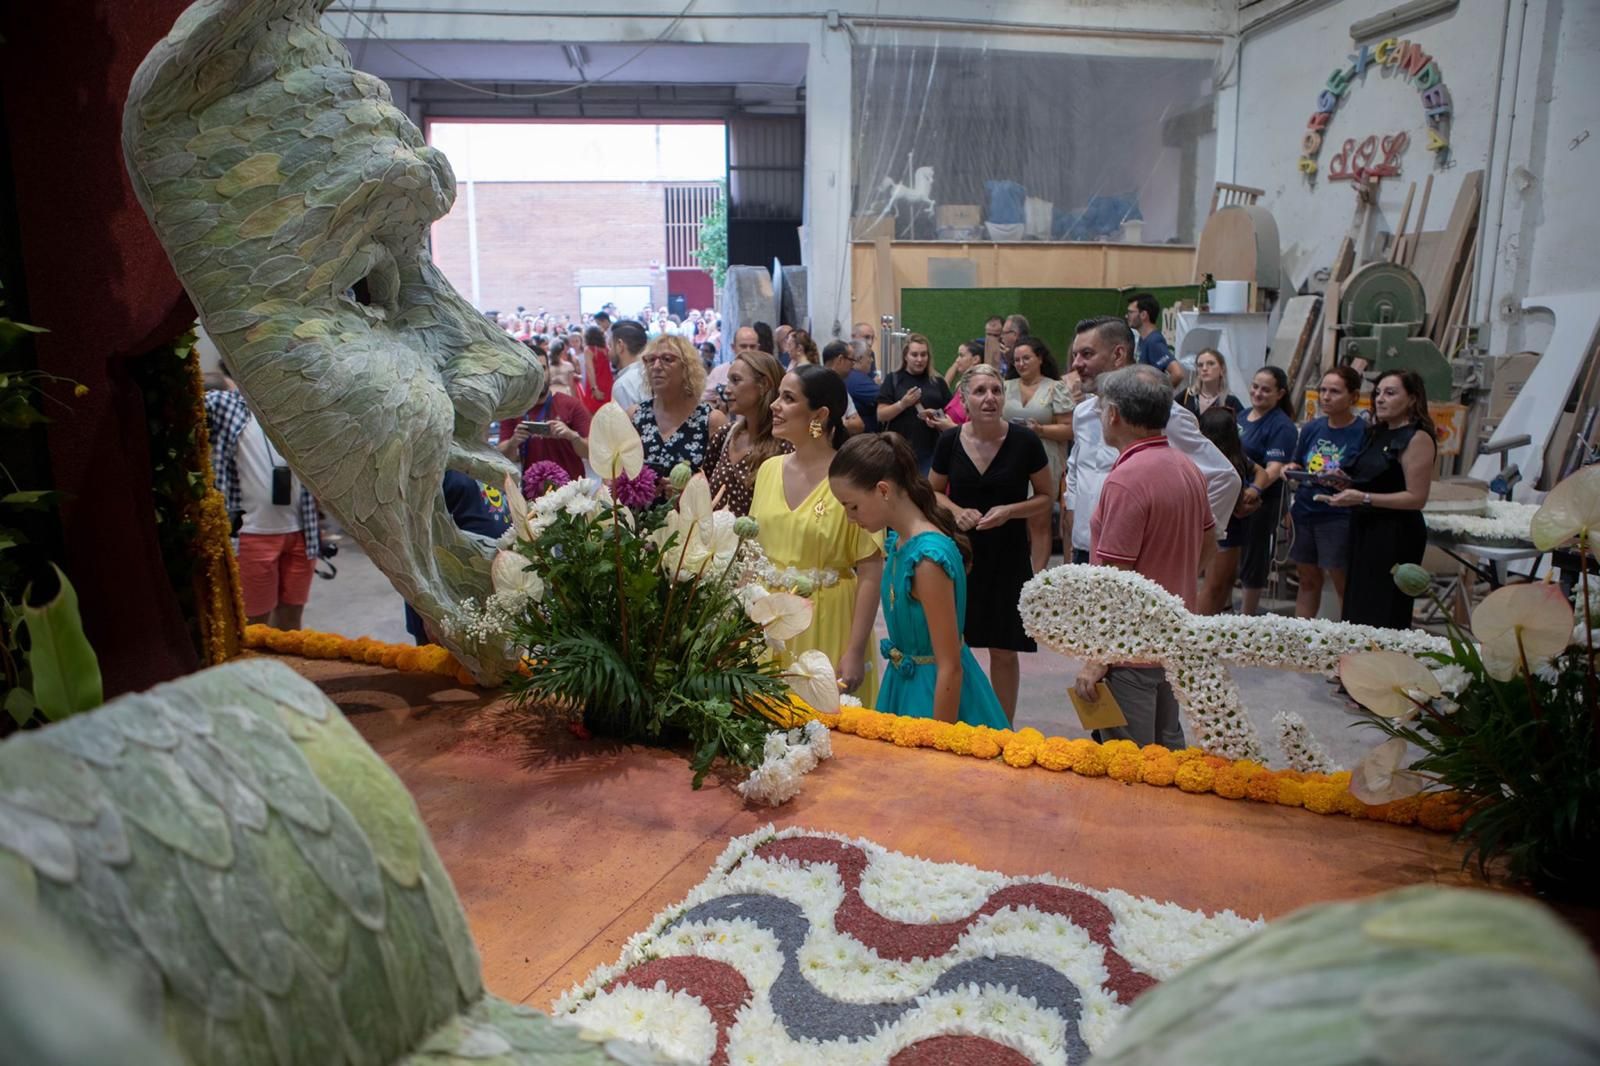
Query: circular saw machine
[[1382, 312]]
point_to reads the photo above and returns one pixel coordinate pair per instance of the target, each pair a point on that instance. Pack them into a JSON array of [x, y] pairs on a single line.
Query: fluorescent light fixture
[[1398, 17], [576, 57]]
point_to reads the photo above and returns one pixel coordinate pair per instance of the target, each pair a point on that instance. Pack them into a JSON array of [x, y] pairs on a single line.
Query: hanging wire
[[660, 38]]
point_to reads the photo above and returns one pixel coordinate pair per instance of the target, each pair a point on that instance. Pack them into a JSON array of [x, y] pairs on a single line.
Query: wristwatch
[[1366, 499]]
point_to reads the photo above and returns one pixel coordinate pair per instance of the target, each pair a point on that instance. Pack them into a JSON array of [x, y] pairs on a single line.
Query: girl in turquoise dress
[[929, 669]]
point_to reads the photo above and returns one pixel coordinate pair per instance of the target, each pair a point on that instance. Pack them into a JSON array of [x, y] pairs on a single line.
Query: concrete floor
[[361, 602]]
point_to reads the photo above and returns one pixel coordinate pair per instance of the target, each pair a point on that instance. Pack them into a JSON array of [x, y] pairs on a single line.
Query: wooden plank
[[1289, 344], [1239, 244], [1310, 364], [1344, 260], [1455, 333], [1457, 236], [1397, 238], [1330, 325], [1409, 254]]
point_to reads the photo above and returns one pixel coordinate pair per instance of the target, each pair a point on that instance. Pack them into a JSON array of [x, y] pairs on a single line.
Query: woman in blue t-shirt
[[1268, 434], [1328, 444]]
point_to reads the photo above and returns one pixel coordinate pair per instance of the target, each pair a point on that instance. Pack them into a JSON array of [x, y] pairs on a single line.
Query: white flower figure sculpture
[[1107, 615]]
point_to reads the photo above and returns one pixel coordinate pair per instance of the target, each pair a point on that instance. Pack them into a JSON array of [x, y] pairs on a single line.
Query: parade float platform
[[561, 848]]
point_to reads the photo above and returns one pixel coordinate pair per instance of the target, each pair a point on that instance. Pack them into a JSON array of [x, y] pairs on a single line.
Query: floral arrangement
[[1504, 521], [786, 758], [312, 644], [1189, 769], [1107, 615], [638, 616], [1508, 718], [705, 982]]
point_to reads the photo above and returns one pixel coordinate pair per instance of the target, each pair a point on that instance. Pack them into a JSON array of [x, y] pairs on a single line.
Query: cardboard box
[[957, 216], [1508, 374], [871, 227]]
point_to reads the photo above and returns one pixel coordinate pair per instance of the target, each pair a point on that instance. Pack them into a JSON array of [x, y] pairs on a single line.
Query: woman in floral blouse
[[674, 425]]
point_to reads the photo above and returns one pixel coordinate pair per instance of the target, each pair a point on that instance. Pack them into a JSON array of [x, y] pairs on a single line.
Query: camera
[[281, 486]]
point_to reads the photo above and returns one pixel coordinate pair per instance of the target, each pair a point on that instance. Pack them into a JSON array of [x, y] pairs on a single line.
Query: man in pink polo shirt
[[1153, 517]]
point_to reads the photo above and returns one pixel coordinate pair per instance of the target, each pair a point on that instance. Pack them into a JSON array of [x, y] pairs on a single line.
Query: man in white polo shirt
[[1103, 344]]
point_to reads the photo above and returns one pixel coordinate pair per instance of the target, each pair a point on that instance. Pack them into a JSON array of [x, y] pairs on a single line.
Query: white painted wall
[[1150, 27], [1524, 85]]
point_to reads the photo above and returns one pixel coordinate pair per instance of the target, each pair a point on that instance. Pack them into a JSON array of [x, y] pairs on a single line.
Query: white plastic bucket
[[1230, 297]]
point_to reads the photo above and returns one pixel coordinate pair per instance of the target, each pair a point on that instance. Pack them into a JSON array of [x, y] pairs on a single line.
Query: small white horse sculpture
[[919, 194]]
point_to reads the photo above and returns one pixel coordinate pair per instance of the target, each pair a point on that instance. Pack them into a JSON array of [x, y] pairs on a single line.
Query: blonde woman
[[674, 424], [993, 476]]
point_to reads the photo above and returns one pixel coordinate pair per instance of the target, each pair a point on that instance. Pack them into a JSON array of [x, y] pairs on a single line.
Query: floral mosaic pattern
[[805, 947], [1108, 615]]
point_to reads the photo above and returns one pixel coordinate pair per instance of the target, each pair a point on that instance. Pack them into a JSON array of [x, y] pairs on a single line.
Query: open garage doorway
[[557, 219]]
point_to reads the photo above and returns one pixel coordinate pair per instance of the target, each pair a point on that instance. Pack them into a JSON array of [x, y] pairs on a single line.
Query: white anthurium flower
[[512, 572], [811, 677], [1378, 778], [1387, 682], [781, 615], [614, 445], [1572, 509], [1533, 619], [519, 508], [694, 503]]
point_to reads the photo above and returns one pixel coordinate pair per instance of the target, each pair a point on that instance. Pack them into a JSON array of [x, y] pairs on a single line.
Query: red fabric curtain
[[96, 277]]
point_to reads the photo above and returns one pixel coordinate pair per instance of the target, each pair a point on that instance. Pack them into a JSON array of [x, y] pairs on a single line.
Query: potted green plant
[[1509, 720]]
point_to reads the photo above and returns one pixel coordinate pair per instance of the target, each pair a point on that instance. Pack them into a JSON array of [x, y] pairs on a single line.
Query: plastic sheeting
[[974, 142]]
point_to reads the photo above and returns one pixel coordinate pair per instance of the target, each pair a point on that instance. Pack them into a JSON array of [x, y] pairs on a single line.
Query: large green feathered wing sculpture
[[257, 879], [294, 201]]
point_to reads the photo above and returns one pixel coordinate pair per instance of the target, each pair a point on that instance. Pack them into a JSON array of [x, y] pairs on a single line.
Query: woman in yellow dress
[[806, 535]]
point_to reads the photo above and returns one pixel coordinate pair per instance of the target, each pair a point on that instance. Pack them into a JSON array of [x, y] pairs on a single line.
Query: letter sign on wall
[[1378, 157]]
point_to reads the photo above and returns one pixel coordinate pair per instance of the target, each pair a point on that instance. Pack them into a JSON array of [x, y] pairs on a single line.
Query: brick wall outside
[[537, 241]]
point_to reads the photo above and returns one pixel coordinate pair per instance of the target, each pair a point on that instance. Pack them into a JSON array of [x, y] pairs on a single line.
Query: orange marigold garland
[[312, 644], [1189, 769]]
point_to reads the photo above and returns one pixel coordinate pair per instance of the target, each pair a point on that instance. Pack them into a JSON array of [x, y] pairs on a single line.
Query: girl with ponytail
[[805, 534], [929, 669]]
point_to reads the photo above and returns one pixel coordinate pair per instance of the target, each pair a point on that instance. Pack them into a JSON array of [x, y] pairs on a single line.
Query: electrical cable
[[660, 38]]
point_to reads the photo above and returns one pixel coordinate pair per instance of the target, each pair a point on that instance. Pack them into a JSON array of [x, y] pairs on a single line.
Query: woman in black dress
[[982, 471], [1389, 483]]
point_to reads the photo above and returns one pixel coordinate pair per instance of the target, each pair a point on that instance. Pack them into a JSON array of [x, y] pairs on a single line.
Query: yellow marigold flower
[[1340, 778], [850, 719], [1229, 783], [1088, 759], [1440, 812], [1118, 747], [1153, 751], [872, 726], [1052, 757], [913, 732], [984, 745], [1247, 768], [958, 738], [1321, 797], [1216, 762], [255, 635], [408, 660], [1195, 775], [1400, 812], [1188, 754], [1262, 787], [391, 656], [1002, 737], [1019, 754], [1291, 793], [1126, 766], [1029, 735], [1161, 772]]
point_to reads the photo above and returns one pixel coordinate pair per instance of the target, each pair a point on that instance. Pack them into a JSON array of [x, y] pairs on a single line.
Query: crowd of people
[[929, 496]]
